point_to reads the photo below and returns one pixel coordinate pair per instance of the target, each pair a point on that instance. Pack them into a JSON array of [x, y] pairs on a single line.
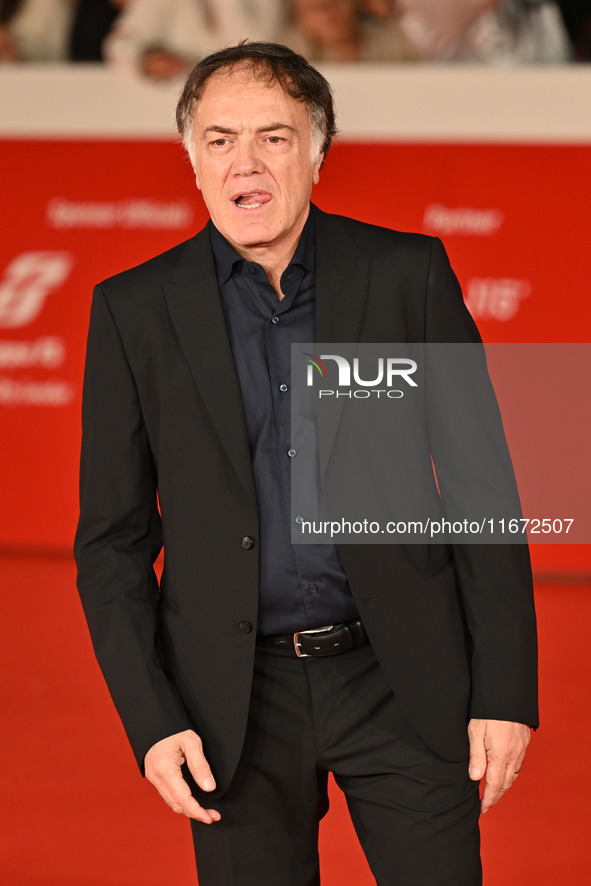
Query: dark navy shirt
[[301, 586]]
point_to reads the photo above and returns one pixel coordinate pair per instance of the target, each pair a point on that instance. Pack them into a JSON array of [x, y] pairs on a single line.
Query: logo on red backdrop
[[26, 284], [447, 220], [490, 298], [134, 214]]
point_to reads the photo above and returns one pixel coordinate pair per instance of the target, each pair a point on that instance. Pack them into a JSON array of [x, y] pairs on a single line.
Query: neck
[[274, 259]]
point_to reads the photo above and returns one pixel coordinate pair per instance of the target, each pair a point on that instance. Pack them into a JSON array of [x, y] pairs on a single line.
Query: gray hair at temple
[[272, 62]]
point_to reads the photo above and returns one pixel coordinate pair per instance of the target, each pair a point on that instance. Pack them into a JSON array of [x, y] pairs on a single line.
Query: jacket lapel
[[342, 279], [342, 276], [195, 308]]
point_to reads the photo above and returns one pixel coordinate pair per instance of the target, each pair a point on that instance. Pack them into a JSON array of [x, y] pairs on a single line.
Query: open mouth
[[251, 199]]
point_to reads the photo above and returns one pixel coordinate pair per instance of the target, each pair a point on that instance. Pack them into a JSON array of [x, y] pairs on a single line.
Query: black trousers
[[416, 814]]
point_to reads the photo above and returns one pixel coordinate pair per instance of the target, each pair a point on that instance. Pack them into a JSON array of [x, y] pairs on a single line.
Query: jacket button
[[247, 542], [245, 627]]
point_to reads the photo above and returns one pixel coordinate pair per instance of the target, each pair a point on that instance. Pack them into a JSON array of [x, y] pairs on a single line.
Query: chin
[[253, 235]]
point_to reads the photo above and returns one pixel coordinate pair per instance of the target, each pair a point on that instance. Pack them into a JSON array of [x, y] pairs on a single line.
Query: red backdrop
[[514, 219]]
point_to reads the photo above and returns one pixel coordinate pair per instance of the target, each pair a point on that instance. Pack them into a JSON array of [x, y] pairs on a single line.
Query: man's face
[[253, 161]]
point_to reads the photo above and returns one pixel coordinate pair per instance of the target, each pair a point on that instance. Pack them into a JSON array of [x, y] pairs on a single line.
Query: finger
[[175, 791], [513, 769], [501, 774], [499, 779], [167, 778], [477, 764], [198, 765]]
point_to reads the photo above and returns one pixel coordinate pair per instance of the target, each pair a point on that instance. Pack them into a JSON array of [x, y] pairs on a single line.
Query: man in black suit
[[258, 666]]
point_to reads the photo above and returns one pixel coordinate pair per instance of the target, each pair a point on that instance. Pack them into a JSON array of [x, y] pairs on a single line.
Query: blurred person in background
[[93, 20], [504, 31], [35, 30], [337, 31], [577, 18], [163, 39]]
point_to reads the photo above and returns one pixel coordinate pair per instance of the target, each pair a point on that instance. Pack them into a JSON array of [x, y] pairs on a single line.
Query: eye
[[220, 142], [275, 139]]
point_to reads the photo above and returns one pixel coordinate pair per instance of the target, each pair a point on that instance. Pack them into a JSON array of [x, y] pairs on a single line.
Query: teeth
[[249, 205]]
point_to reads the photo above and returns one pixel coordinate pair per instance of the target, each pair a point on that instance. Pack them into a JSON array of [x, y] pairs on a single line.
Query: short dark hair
[[278, 64]]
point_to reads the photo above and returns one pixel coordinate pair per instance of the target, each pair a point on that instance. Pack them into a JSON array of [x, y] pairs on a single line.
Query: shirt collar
[[226, 257]]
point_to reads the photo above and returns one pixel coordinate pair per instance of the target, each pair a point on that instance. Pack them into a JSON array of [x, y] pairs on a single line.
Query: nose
[[247, 159]]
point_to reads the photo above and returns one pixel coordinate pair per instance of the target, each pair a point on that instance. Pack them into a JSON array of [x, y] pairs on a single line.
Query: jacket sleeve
[[118, 539], [474, 472]]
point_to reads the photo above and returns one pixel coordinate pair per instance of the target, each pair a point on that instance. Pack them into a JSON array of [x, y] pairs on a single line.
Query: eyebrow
[[227, 130]]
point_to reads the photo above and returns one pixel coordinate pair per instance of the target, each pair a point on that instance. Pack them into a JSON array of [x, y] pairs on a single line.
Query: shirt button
[[245, 627], [299, 520], [291, 452], [275, 321], [247, 542], [252, 270], [283, 388], [313, 587]]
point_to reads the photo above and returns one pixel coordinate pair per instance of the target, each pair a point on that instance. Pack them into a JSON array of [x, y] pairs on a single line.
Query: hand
[[163, 769], [497, 748]]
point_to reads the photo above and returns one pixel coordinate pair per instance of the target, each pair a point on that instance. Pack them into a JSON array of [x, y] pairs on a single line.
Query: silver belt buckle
[[297, 644]]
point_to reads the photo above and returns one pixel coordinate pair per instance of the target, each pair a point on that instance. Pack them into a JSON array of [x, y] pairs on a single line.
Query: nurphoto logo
[[386, 371]]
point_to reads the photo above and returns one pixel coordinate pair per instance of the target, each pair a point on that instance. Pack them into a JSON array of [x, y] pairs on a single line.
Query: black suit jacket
[[165, 461]]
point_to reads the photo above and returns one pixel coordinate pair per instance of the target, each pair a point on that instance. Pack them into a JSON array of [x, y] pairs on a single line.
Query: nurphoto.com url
[[433, 528]]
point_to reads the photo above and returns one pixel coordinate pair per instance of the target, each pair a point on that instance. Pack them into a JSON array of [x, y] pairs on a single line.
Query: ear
[[195, 171], [193, 158], [317, 165]]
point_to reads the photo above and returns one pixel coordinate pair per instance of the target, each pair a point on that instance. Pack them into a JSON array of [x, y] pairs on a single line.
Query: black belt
[[329, 640]]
